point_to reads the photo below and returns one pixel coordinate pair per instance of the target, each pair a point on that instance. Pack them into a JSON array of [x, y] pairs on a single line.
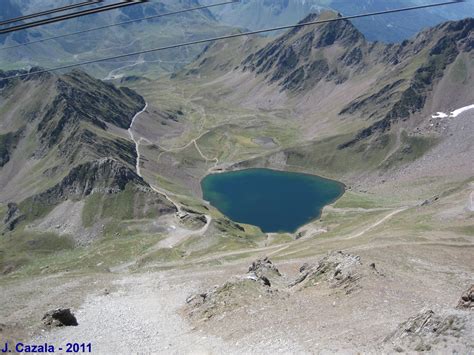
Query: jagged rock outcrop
[[304, 56], [7, 145], [61, 317], [13, 216], [104, 175], [428, 331], [259, 282], [443, 43], [405, 75], [81, 98], [263, 270], [263, 279], [86, 142], [467, 299], [338, 269]]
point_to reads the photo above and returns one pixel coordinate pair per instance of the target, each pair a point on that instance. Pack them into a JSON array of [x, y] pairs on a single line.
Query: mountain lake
[[275, 201]]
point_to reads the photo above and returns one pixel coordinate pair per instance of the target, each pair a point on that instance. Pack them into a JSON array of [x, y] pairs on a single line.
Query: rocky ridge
[[301, 58], [382, 85], [467, 299], [68, 136], [337, 271], [431, 332]]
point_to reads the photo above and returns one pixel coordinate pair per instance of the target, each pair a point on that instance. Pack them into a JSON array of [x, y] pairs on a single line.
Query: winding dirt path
[[376, 224], [351, 236], [176, 234], [137, 142], [111, 75], [276, 249], [193, 141]]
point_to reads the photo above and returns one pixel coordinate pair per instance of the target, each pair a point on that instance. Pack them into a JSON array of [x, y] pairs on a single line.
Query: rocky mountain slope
[[350, 97], [301, 58], [68, 165], [69, 119]]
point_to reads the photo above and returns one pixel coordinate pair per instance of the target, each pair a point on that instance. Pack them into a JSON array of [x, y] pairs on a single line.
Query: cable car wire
[[220, 38], [96, 10], [120, 24], [49, 12]]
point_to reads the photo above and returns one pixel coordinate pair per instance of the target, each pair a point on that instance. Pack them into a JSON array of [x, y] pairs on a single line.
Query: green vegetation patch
[[411, 149], [281, 238], [352, 199], [117, 206], [129, 204], [459, 72], [26, 254], [465, 230], [33, 208], [21, 248], [162, 255], [323, 157]]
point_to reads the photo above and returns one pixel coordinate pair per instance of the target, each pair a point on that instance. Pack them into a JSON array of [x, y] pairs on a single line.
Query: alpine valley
[[102, 171]]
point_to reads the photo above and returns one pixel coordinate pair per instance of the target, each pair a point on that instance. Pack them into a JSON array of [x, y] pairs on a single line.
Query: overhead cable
[[49, 12], [95, 10], [120, 24]]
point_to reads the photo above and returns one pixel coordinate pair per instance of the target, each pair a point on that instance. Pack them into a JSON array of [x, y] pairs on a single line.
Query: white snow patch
[[457, 112], [454, 113], [439, 115]]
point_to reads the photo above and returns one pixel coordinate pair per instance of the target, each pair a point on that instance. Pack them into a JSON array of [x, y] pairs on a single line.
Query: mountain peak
[[305, 55], [327, 33], [461, 32]]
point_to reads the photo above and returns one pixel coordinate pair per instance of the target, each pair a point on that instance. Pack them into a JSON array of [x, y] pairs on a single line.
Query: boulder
[[467, 299], [428, 331], [264, 271], [59, 318]]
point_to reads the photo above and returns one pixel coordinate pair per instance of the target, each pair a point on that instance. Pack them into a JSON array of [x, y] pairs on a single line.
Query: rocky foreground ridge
[[337, 275]]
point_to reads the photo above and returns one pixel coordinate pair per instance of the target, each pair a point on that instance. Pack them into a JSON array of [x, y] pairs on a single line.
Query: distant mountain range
[[388, 28], [245, 14]]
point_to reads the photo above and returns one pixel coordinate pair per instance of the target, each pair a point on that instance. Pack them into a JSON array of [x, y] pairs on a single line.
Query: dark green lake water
[[275, 201]]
